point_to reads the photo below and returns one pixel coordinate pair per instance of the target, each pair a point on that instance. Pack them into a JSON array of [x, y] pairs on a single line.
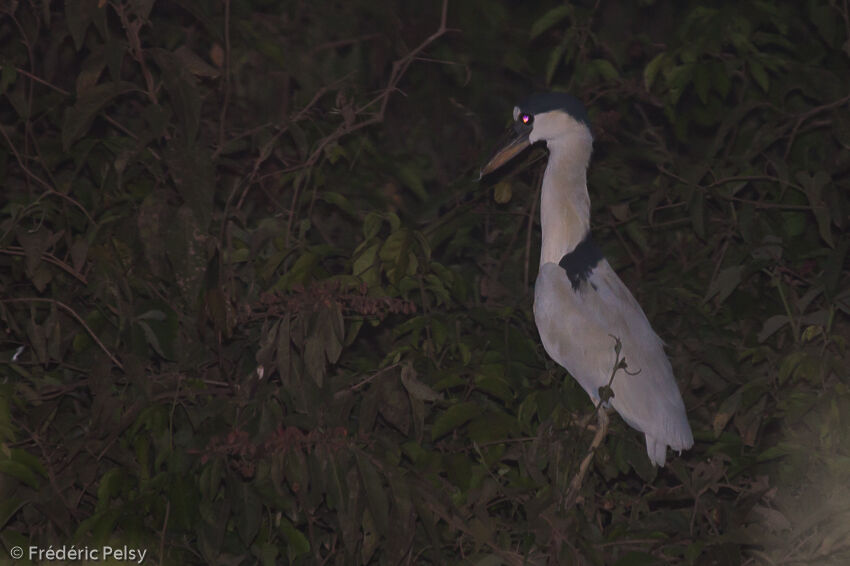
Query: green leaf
[[635, 558], [20, 471], [187, 252], [247, 510], [298, 273], [194, 177], [759, 74], [549, 19], [334, 332], [651, 70], [110, 487], [794, 223], [725, 283], [771, 325], [605, 69], [702, 82], [7, 430], [268, 553], [638, 235], [416, 388], [9, 506], [371, 538], [697, 210], [502, 192], [38, 340], [35, 243], [79, 14], [813, 186], [365, 266], [160, 331], [720, 79], [678, 79], [100, 525], [182, 92], [412, 178], [394, 253], [394, 220], [142, 8], [395, 245], [496, 386], [726, 411], [454, 417], [338, 200], [78, 119], [334, 480], [193, 62], [297, 471], [376, 494], [8, 76], [790, 364], [555, 58], [314, 358], [297, 543], [826, 22], [492, 426], [832, 268], [372, 225]]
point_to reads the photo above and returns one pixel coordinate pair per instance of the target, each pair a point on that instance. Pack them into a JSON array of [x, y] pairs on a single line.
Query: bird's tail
[[657, 450]]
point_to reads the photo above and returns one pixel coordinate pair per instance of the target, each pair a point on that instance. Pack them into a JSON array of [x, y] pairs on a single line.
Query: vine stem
[[77, 317], [605, 394]]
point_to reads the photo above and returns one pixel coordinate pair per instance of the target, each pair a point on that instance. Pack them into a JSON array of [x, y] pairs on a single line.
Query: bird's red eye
[[526, 118]]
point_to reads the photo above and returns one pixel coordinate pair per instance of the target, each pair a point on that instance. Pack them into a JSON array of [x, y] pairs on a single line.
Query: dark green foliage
[[257, 310]]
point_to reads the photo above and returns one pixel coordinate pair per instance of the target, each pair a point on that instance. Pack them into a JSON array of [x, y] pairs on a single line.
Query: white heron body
[[581, 306]]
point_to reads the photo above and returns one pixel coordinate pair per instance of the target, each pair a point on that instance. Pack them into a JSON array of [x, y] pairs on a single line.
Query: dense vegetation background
[[256, 308]]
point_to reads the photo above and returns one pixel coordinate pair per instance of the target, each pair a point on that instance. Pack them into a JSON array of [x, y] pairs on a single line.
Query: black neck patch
[[580, 262]]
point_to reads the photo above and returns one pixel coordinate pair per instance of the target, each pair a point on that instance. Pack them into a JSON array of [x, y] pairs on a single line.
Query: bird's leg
[[601, 431]]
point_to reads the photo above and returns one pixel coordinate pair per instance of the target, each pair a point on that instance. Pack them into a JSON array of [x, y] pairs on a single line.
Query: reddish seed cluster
[[287, 438], [329, 294], [237, 443], [379, 307], [237, 448], [242, 453]]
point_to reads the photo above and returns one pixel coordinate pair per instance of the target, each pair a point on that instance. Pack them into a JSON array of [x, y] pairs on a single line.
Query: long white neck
[[564, 202]]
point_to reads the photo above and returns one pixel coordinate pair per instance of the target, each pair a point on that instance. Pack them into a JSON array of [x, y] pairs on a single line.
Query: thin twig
[[399, 68], [808, 114], [40, 80], [756, 203], [49, 258], [51, 473], [164, 529], [30, 175], [378, 373], [136, 50], [267, 148], [346, 42], [78, 318], [222, 119], [719, 262], [526, 268], [27, 122], [605, 394], [578, 479]]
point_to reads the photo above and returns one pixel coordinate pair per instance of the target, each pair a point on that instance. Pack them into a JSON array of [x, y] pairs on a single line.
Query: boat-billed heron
[[582, 308]]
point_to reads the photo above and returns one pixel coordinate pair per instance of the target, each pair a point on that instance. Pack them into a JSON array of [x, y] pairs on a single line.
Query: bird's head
[[548, 117]]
